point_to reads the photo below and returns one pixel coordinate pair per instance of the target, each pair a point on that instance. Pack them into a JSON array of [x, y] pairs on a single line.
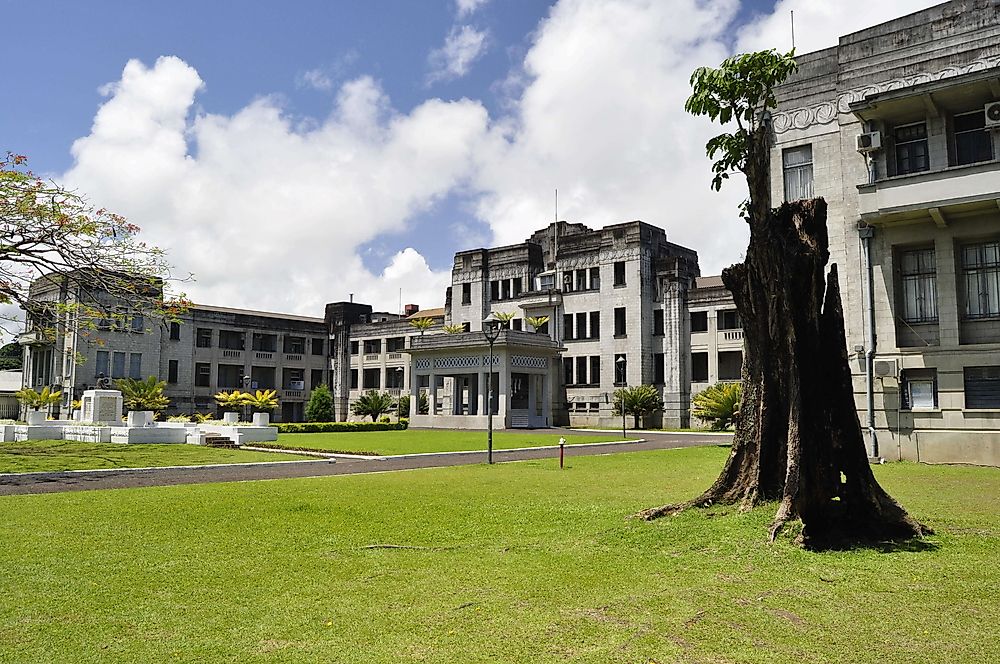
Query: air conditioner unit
[[870, 141], [296, 385], [992, 111], [885, 368]]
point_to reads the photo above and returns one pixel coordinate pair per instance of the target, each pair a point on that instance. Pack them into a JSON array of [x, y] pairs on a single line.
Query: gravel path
[[85, 480]]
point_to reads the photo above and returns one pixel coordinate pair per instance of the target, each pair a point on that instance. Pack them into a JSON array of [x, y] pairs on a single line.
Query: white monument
[[102, 406]]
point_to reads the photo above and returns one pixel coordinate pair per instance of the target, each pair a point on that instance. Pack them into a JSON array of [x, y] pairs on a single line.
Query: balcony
[[931, 195], [263, 355], [731, 335], [372, 357], [394, 356], [230, 352], [292, 394], [293, 357], [32, 338]]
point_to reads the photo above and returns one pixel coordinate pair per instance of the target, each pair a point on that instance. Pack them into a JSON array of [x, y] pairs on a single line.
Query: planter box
[[87, 433], [148, 435]]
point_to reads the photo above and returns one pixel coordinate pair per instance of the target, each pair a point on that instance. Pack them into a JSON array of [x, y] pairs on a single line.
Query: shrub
[[178, 418], [640, 401], [335, 427], [718, 404], [320, 406]]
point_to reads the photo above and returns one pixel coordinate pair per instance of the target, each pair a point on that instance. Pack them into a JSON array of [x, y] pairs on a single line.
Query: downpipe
[[866, 233]]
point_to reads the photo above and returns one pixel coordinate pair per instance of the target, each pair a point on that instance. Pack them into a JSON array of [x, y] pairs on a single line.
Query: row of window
[[230, 376], [263, 342], [729, 363], [582, 325], [118, 364], [979, 282], [582, 371], [372, 379], [919, 388], [725, 319]]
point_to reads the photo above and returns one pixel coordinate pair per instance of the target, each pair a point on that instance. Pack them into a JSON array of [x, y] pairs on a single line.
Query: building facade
[[898, 128]]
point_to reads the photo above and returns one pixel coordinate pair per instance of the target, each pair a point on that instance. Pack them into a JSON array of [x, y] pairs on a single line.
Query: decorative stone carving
[[529, 362]]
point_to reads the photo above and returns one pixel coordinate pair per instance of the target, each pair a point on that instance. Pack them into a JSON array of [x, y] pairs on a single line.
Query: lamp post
[[399, 398], [246, 406], [491, 330], [621, 404]]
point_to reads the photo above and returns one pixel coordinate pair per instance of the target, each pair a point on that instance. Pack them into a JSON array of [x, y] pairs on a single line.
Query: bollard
[[562, 449]]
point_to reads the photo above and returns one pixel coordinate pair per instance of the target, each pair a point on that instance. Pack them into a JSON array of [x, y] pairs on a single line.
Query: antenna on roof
[[792, 14], [557, 206], [555, 231]]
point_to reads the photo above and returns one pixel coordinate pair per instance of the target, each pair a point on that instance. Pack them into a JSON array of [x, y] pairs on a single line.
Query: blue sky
[[335, 147]]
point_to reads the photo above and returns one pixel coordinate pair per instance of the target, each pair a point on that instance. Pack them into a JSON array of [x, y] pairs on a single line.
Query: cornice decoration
[[828, 111]]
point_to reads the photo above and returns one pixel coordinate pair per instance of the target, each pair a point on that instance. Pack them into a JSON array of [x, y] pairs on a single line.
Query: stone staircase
[[215, 440]]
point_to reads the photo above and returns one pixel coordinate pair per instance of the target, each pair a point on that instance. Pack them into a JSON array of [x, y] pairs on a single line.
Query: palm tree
[[373, 403], [718, 404], [143, 394], [231, 401], [640, 401], [422, 324], [38, 400], [538, 322], [504, 317], [454, 329], [261, 401]]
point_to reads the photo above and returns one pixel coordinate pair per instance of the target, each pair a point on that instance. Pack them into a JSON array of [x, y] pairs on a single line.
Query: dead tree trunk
[[798, 438]]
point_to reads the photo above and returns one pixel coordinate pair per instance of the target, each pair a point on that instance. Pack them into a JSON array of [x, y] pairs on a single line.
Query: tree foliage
[[373, 404], [537, 322], [505, 317], [422, 404], [11, 356], [261, 401], [231, 401], [32, 399], [320, 406], [718, 405], [457, 328], [49, 231], [639, 401], [422, 324], [143, 394]]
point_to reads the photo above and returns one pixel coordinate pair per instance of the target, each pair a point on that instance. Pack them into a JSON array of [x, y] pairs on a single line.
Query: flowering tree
[[52, 238]]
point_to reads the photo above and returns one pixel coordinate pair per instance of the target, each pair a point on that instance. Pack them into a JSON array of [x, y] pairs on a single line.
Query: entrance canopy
[[454, 371]]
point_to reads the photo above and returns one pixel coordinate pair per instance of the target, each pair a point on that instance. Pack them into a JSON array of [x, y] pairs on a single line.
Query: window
[[699, 367], [568, 370], [621, 370], [730, 365], [265, 343], [317, 346], [466, 293], [505, 289], [581, 326], [620, 322], [568, 282], [728, 319], [919, 389], [981, 272], [568, 327], [798, 168], [372, 379], [229, 376], [595, 369], [543, 329], [202, 374], [658, 369], [138, 323], [135, 366], [494, 290], [972, 141], [516, 324], [232, 339], [919, 287], [518, 286], [595, 324], [657, 322], [699, 321], [911, 148], [595, 278], [315, 378], [117, 365], [354, 379], [982, 387], [103, 365], [172, 371], [295, 345], [354, 348], [581, 370], [581, 280], [203, 338], [175, 331], [619, 274], [466, 326], [546, 281], [395, 344], [373, 347]]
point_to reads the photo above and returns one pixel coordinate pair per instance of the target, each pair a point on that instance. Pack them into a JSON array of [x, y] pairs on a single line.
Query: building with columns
[[898, 128]]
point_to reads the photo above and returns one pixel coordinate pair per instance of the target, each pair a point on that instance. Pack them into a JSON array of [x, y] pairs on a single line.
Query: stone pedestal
[[140, 418], [261, 419], [230, 418], [35, 417], [102, 406]]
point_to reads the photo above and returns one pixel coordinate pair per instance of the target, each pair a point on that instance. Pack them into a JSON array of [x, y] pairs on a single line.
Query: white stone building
[[898, 128]]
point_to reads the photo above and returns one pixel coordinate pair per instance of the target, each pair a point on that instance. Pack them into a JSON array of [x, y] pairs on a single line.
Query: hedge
[[334, 427]]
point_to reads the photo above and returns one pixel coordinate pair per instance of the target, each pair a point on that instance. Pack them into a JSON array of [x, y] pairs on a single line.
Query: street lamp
[[621, 403], [491, 330], [399, 398]]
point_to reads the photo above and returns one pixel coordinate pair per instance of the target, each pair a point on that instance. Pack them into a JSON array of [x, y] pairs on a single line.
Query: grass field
[[515, 562], [414, 441], [55, 455]]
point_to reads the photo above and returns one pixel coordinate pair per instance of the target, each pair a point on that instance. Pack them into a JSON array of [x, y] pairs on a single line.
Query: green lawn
[[413, 441], [515, 562], [54, 455]]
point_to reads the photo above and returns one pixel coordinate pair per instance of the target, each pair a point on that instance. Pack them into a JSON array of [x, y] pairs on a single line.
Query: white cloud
[[316, 79], [466, 7], [463, 46], [819, 25], [266, 214]]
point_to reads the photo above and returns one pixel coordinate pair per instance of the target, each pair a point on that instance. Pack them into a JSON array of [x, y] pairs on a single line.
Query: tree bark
[[798, 438]]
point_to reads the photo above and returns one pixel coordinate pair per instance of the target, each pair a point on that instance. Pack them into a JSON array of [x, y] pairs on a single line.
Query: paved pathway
[[337, 465]]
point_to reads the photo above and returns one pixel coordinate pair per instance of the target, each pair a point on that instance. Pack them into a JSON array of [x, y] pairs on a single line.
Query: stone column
[[432, 397], [504, 397], [414, 393], [677, 354]]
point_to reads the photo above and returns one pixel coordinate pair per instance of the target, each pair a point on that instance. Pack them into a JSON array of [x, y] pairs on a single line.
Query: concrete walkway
[[85, 480]]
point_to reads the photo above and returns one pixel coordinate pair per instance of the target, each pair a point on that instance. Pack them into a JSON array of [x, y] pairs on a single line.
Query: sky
[[292, 154]]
